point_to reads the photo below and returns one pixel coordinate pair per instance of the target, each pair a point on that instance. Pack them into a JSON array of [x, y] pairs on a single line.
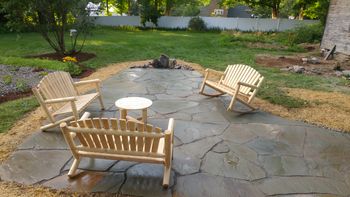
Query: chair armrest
[[87, 82], [60, 100], [208, 70], [247, 85], [171, 129]]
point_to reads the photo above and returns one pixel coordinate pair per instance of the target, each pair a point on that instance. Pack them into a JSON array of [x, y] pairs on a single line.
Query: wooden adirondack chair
[[58, 94], [239, 81], [120, 140]]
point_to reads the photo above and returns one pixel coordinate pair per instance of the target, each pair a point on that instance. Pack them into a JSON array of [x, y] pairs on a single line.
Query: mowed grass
[[14, 110], [210, 49]]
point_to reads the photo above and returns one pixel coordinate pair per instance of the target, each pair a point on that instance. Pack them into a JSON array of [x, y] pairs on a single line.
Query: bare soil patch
[[323, 67]]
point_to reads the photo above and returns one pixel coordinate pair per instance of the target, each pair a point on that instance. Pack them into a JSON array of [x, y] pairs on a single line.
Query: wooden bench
[[58, 95], [120, 140], [239, 81]]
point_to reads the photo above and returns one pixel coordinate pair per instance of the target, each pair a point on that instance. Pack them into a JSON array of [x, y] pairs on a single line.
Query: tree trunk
[[301, 13], [275, 13], [129, 7], [107, 7]]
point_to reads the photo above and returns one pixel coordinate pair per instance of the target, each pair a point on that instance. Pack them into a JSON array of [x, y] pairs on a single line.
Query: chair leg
[[73, 168], [230, 107], [166, 176], [101, 102]]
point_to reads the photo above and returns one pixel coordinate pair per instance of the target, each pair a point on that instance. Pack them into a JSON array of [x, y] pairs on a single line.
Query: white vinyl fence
[[242, 24]]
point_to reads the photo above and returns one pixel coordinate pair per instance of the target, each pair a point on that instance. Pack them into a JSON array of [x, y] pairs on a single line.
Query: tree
[[52, 19], [274, 5]]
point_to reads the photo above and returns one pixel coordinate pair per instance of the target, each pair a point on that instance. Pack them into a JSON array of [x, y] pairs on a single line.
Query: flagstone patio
[[217, 153]]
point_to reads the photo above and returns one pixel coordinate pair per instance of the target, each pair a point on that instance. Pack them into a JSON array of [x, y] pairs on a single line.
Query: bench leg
[[230, 107], [73, 168]]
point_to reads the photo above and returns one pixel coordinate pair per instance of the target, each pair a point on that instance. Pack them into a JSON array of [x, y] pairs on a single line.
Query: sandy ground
[[327, 109]]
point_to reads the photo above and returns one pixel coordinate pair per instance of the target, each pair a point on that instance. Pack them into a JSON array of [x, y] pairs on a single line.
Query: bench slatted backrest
[[116, 137], [241, 73], [57, 85]]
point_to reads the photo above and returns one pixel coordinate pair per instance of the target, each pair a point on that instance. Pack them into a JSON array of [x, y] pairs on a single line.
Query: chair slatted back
[[241, 73], [116, 136], [56, 85]]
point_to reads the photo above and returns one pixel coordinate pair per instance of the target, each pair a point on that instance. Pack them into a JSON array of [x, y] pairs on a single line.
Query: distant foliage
[[197, 24]]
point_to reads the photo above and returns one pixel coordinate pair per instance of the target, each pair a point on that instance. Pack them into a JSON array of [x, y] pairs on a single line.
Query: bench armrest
[[208, 70], [247, 85], [87, 82], [60, 100]]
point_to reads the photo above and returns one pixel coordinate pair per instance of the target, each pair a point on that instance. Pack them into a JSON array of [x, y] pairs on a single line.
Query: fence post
[[278, 24]]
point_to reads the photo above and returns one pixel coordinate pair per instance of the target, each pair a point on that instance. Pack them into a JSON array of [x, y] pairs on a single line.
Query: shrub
[[72, 67], [7, 79], [197, 24], [303, 34]]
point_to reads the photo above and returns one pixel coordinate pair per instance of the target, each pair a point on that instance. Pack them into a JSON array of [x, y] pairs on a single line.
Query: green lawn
[[211, 49]]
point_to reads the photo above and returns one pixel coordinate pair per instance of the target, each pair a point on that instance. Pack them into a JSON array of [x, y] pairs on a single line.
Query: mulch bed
[[15, 94], [81, 57]]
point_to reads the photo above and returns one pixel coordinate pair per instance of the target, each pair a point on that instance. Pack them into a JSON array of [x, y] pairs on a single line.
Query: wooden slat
[[156, 140], [140, 140], [87, 137], [102, 137], [132, 139], [96, 140], [79, 135], [105, 125], [125, 139], [118, 143], [148, 140]]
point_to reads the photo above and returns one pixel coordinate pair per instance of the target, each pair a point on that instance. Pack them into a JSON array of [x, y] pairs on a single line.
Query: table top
[[133, 103]]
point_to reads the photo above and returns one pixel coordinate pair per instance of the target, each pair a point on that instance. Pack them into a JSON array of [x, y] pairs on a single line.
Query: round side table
[[133, 103]]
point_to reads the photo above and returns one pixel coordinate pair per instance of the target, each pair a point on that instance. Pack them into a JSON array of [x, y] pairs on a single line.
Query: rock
[[298, 69], [288, 68], [346, 72], [164, 61], [314, 60], [172, 63], [304, 59], [316, 71], [338, 73]]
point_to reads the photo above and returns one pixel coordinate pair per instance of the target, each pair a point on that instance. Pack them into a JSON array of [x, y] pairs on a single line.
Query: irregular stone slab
[[192, 74], [188, 131], [210, 117], [88, 182], [29, 167], [92, 164], [187, 158], [44, 140], [243, 151], [156, 88], [284, 166], [232, 166], [270, 147], [208, 185], [221, 148], [122, 166], [171, 106], [259, 117], [146, 180], [303, 185], [180, 93], [239, 133]]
